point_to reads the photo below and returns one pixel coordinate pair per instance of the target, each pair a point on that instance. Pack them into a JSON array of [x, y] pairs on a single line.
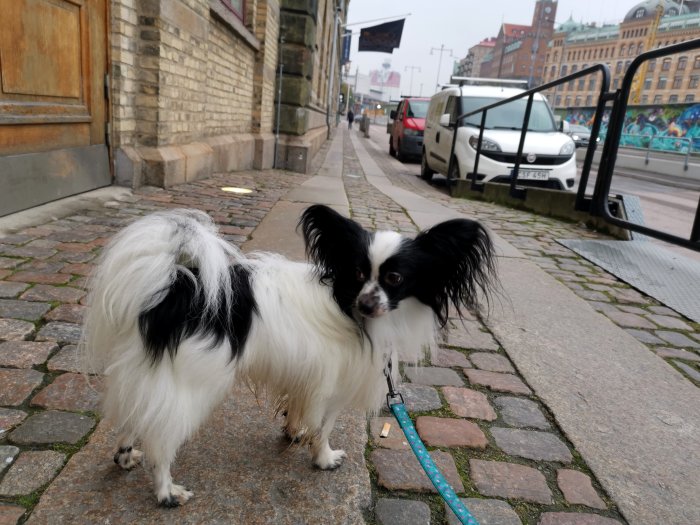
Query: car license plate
[[533, 175]]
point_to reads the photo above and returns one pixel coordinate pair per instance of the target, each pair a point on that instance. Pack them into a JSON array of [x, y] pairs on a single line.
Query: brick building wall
[[193, 86]]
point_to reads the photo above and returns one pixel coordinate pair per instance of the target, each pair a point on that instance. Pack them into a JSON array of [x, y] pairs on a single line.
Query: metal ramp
[[671, 279]]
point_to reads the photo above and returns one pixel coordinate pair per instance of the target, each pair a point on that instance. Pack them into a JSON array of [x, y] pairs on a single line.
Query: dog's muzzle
[[370, 305]]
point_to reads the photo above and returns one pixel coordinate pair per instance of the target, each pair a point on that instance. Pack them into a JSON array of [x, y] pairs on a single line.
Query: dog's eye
[[393, 279], [359, 275]]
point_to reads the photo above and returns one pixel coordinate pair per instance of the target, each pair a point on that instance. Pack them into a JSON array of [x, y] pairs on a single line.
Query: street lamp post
[[410, 89], [441, 49]]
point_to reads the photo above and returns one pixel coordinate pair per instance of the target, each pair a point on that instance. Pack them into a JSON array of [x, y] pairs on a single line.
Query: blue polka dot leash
[[395, 402]]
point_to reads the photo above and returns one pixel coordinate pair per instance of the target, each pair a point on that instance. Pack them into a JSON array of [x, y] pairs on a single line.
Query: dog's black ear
[[332, 241], [458, 263]]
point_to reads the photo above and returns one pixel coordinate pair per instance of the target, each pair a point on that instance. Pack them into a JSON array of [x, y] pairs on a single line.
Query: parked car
[[548, 158], [580, 134], [406, 139]]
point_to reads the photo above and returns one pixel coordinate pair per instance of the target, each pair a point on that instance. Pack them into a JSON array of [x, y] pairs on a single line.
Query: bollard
[[366, 128]]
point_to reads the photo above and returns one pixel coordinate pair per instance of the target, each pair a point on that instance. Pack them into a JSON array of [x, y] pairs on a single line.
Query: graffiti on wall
[[673, 128]]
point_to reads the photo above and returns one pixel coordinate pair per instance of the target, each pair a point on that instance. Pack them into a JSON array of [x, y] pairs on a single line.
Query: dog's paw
[[178, 496], [330, 460], [128, 457], [293, 436]]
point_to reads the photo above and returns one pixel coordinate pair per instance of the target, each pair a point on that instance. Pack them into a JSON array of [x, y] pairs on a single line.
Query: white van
[[548, 159]]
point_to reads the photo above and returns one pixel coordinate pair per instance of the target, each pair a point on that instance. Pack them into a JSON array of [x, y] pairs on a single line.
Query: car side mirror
[[564, 126], [392, 114], [445, 121]]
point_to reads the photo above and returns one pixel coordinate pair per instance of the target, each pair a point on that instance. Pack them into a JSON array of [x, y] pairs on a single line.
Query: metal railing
[[600, 201], [651, 140], [519, 192]]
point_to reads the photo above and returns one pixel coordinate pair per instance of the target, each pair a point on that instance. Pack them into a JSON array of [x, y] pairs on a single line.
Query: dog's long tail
[[138, 267]]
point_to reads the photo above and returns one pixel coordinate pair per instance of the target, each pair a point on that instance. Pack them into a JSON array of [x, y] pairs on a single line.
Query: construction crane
[[638, 82]]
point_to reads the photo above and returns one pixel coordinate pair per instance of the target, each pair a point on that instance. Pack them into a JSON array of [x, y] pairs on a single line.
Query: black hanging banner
[[382, 38]]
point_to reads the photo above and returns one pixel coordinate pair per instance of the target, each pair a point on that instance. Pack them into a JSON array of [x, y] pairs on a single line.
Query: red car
[[406, 139]]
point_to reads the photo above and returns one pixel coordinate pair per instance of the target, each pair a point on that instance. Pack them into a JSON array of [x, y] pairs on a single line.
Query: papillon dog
[[177, 315]]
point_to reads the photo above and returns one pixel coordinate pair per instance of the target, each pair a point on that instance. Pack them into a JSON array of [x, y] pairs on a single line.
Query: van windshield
[[508, 116], [417, 108]]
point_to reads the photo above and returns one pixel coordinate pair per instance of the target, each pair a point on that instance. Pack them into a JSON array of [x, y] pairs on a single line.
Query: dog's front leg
[[324, 457]]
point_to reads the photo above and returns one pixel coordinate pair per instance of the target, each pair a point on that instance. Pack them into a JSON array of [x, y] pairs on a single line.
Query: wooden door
[[53, 110]]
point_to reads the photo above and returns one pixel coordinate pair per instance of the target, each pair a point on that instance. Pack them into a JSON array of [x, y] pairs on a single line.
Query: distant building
[[470, 66], [519, 50], [674, 79]]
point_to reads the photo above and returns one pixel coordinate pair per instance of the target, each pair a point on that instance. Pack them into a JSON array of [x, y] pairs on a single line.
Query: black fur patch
[[339, 248], [180, 315]]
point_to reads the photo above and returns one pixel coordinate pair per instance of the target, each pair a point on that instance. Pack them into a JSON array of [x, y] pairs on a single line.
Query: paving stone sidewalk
[[492, 438]]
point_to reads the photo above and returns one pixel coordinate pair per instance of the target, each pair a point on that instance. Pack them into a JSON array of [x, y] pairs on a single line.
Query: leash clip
[[393, 397]]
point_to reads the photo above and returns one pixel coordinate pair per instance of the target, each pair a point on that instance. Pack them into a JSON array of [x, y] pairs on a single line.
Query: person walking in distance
[[351, 117]]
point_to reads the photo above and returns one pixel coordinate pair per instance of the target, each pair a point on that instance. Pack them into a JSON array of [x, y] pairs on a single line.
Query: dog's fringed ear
[[331, 240], [460, 264]]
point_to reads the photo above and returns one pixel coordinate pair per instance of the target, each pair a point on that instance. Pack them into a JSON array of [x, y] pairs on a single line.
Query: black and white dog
[[177, 316]]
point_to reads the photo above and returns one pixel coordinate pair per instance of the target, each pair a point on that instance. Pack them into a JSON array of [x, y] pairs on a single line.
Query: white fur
[[302, 350]]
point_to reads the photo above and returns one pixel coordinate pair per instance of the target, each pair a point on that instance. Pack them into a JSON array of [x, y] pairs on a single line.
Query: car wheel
[[392, 151], [425, 172], [399, 156], [454, 171]]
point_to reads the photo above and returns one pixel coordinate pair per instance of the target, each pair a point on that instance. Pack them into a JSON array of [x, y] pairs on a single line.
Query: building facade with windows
[[519, 50], [671, 80], [470, 66]]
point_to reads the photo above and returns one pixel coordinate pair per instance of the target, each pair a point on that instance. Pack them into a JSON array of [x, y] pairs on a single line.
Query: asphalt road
[[668, 204]]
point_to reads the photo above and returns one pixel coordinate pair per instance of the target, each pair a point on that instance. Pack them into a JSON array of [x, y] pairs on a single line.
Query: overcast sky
[[458, 25]]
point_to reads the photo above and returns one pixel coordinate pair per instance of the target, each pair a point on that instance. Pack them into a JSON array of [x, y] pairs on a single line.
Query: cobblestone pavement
[[496, 443], [492, 437], [47, 409]]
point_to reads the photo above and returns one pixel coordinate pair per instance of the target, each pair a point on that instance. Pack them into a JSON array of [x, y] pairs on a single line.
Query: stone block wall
[[192, 88]]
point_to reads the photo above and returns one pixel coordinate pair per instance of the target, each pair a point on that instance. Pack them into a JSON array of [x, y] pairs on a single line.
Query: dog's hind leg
[[324, 457], [127, 457]]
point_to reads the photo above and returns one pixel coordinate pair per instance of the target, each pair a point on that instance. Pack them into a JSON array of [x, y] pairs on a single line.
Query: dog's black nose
[[367, 304]]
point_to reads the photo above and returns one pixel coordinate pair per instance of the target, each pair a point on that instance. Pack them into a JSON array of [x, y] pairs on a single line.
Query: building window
[[690, 98], [631, 51], [640, 13], [696, 62], [677, 81], [589, 100], [616, 83], [581, 84], [666, 64], [640, 48], [237, 7], [591, 83], [618, 68], [557, 100], [673, 99], [657, 99], [647, 83], [553, 71], [622, 50], [661, 84], [652, 65], [577, 102], [567, 102], [645, 99], [682, 63], [693, 82]]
